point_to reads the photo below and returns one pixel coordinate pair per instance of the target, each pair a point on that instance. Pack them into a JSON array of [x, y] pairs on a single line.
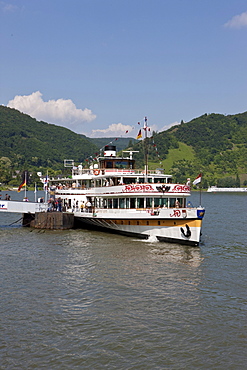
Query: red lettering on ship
[[176, 213], [138, 187], [182, 188]]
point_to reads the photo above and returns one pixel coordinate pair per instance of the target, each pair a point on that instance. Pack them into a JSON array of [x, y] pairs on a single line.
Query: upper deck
[[117, 176]]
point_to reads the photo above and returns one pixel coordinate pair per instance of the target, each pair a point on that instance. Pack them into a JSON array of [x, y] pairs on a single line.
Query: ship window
[[159, 180], [115, 203], [132, 202], [121, 203], [109, 164], [127, 202], [149, 202], [140, 202], [172, 202], [121, 164], [160, 202], [147, 222], [158, 222], [101, 203], [164, 202], [156, 202], [129, 180], [109, 203], [137, 223]]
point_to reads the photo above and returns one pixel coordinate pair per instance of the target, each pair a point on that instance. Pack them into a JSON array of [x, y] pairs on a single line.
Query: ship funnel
[[110, 151]]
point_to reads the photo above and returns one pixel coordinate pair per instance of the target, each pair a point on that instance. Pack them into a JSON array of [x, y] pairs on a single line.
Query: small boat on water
[[215, 189], [113, 196]]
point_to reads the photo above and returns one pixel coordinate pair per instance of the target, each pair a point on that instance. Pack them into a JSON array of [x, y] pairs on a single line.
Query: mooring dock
[[36, 215], [50, 220]]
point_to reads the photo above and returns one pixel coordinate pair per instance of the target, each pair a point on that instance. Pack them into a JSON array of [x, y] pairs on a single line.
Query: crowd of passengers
[[88, 206]]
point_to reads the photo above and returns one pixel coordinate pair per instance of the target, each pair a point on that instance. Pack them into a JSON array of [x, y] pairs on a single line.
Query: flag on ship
[[24, 183], [139, 136], [198, 179]]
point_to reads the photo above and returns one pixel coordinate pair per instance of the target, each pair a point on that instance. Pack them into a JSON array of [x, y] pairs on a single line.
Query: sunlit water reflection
[[81, 299]]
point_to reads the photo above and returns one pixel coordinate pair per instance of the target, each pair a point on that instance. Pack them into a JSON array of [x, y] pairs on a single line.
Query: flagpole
[[197, 181], [25, 184], [145, 149], [201, 191], [200, 186], [46, 186], [35, 193]]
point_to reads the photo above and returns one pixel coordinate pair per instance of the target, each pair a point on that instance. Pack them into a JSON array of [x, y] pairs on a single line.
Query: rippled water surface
[[79, 299]]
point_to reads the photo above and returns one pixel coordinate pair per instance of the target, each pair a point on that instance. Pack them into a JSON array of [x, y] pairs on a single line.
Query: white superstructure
[[112, 195]]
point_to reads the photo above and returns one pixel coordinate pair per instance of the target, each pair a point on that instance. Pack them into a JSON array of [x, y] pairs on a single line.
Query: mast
[[35, 192], [46, 187], [145, 148], [25, 184]]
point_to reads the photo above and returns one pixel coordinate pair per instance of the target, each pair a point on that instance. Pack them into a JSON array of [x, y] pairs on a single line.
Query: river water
[[83, 299]]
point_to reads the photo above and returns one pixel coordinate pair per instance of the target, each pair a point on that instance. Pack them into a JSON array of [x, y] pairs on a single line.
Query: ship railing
[[171, 212], [129, 189], [161, 188], [102, 171]]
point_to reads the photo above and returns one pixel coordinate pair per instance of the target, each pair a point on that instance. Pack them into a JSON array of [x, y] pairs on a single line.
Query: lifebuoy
[[96, 172]]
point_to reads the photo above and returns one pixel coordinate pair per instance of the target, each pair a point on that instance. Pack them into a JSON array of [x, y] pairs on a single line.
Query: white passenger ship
[[114, 196], [215, 189]]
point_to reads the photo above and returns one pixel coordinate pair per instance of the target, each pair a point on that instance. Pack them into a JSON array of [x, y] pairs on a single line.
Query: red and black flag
[[24, 181]]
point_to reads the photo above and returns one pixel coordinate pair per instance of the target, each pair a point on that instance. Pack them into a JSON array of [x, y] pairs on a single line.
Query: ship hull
[[155, 229]]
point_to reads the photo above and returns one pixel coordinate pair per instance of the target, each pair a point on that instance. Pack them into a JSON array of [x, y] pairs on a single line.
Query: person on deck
[[59, 204], [82, 206], [88, 206]]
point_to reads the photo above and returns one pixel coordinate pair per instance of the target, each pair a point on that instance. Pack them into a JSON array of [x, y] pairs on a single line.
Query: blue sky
[[99, 66]]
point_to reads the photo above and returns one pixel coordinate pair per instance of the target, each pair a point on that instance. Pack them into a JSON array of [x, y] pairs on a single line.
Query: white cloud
[[238, 21], [7, 7], [115, 129], [164, 128], [62, 111]]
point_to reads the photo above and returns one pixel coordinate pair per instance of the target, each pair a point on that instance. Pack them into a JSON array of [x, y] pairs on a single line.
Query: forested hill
[[213, 134], [214, 144], [26, 142]]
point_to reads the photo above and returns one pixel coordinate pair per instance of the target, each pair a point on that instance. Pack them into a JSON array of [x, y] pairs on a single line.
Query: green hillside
[[29, 144], [174, 155], [213, 144]]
